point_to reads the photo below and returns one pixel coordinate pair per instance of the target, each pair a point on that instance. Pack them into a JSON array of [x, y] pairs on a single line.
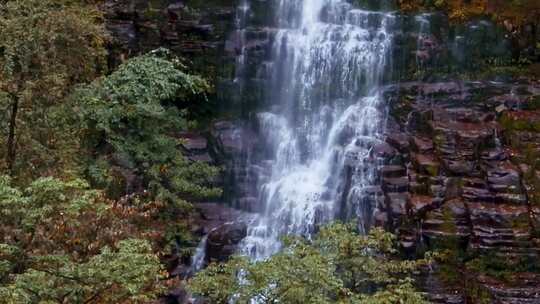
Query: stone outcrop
[[232, 141], [193, 29], [224, 228], [223, 240], [465, 179]]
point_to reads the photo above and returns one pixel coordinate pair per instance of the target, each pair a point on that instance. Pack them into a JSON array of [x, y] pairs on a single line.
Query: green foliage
[[125, 274], [55, 248], [503, 268], [337, 266], [133, 118], [518, 11], [46, 47]]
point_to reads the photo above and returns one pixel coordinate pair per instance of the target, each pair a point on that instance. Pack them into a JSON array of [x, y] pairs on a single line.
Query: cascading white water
[[239, 33], [423, 42], [198, 259], [328, 61]]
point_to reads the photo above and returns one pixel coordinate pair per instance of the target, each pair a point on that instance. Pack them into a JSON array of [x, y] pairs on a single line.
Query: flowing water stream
[[328, 62]]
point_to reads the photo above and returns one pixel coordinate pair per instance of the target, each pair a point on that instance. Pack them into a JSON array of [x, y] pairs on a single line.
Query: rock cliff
[[461, 162], [461, 173]]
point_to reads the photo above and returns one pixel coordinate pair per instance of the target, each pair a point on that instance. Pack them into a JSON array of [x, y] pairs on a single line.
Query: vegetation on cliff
[[337, 266], [94, 188], [133, 118], [513, 12], [65, 243], [46, 48]]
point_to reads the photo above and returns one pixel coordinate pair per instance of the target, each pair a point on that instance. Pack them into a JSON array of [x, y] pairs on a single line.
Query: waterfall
[[239, 33], [328, 60], [198, 259], [423, 42]]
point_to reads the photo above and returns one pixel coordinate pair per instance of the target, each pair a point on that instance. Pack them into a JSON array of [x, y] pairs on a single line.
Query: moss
[[513, 123], [533, 103], [449, 225], [452, 249], [534, 191], [449, 274], [432, 169], [152, 14], [497, 67], [521, 224], [535, 233], [503, 268], [480, 294], [402, 107], [526, 152], [438, 140]]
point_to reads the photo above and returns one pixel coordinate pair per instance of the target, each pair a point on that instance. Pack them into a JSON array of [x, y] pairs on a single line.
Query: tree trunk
[[11, 150]]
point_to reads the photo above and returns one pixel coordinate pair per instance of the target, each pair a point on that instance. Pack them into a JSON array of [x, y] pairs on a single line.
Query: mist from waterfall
[[328, 60]]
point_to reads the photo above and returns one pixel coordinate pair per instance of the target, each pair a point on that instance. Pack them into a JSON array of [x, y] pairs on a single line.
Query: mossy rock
[[533, 103], [426, 165], [521, 121]]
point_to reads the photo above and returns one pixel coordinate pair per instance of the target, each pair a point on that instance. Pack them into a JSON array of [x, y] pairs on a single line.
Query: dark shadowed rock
[[222, 241], [470, 178]]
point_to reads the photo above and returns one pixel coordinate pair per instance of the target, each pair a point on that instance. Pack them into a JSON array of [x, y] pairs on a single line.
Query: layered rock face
[[199, 31], [192, 29], [462, 173], [460, 165]]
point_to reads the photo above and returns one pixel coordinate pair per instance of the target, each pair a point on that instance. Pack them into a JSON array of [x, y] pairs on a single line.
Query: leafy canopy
[[518, 12], [134, 117], [63, 243], [337, 266], [46, 47]]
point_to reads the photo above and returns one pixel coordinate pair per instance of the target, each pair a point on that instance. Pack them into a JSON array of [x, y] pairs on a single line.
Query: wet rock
[[505, 227], [395, 184], [205, 158], [475, 194], [186, 28], [524, 288], [383, 150], [209, 216], [470, 179], [397, 203], [223, 240], [504, 178], [195, 147], [124, 33], [393, 171], [380, 218], [176, 296], [459, 167], [398, 140], [420, 203], [231, 138], [426, 164], [450, 220], [422, 145], [249, 204], [194, 142], [453, 189]]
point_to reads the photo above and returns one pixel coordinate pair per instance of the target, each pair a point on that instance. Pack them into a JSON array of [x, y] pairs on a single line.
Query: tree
[[132, 119], [63, 243], [46, 46], [337, 266], [518, 12]]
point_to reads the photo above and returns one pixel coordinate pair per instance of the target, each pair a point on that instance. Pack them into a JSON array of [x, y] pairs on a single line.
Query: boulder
[[223, 240]]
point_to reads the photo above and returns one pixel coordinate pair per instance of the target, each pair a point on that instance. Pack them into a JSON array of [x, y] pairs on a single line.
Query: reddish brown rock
[[472, 170]]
